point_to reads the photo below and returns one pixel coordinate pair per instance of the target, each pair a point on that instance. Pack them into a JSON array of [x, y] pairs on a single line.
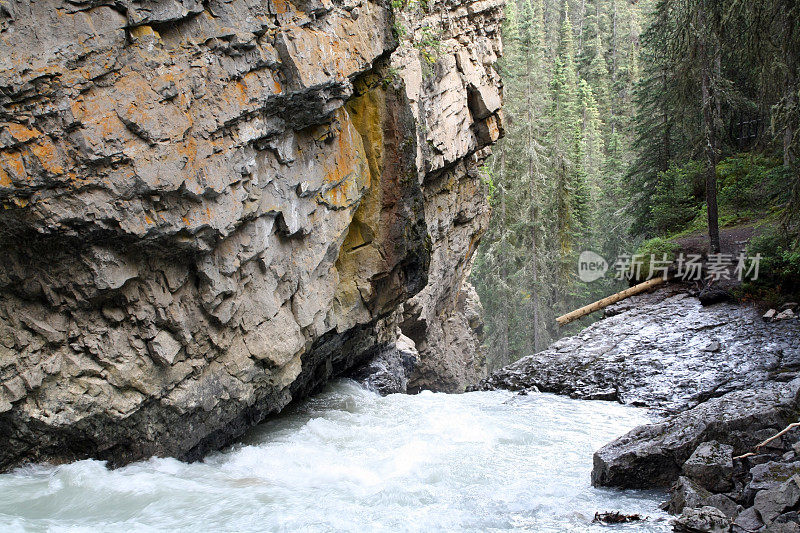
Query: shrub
[[752, 180], [657, 247], [677, 198], [780, 261]]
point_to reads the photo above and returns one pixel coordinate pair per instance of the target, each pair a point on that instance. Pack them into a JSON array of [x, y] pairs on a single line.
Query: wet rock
[[703, 520], [748, 521], [711, 465], [653, 455], [710, 296], [783, 527], [771, 474], [686, 493], [388, 372], [773, 502], [662, 350]]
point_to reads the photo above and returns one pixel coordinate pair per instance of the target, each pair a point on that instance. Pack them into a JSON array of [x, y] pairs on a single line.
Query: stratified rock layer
[[209, 209]]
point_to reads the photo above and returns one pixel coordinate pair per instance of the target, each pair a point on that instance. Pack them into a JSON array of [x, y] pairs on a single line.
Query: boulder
[[662, 350], [748, 521], [654, 454], [686, 493], [389, 371], [771, 474], [712, 296], [703, 520], [711, 465], [773, 502]]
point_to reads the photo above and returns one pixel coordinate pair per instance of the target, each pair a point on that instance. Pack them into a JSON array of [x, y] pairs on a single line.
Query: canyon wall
[[210, 208]]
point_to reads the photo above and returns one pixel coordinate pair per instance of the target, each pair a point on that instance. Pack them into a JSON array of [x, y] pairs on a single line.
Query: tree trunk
[[710, 147], [614, 92], [667, 133], [534, 279], [605, 302], [504, 315]]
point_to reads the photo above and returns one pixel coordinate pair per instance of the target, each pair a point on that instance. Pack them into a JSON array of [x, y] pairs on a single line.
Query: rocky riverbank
[[720, 378]]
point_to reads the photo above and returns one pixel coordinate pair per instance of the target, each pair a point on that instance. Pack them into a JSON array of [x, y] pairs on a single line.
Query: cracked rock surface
[[662, 350], [211, 208]]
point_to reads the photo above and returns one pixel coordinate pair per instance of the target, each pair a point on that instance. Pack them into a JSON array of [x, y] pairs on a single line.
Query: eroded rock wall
[[211, 208]]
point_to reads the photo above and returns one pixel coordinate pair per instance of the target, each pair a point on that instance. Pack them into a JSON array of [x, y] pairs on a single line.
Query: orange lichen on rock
[[19, 132], [14, 165], [5, 179], [348, 170], [48, 156]]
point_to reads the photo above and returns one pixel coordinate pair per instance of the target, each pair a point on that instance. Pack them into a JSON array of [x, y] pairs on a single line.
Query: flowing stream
[[349, 460]]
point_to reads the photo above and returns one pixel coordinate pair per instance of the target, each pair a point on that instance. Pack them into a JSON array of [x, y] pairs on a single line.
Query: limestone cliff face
[[209, 208]]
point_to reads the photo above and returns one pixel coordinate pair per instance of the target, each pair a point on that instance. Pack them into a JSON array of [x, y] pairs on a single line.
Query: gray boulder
[[703, 520], [653, 454], [748, 521], [772, 503], [711, 465]]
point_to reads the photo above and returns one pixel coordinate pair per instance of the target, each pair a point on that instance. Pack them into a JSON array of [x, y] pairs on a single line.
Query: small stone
[[712, 347], [769, 315], [164, 348], [707, 519], [773, 502], [748, 520], [711, 465], [784, 315]]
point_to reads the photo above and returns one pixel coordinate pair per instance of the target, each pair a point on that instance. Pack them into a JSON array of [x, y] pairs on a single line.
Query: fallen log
[[608, 300]]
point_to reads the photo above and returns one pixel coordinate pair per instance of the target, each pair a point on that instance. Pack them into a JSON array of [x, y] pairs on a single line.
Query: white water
[[349, 460]]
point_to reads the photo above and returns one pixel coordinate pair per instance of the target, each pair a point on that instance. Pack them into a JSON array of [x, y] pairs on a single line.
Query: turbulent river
[[349, 460]]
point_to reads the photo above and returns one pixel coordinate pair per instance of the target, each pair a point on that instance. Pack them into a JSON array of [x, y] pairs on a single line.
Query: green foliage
[[780, 261], [429, 44], [399, 30], [747, 180], [676, 197], [556, 187], [392, 76], [750, 186], [487, 179], [657, 249], [410, 5]]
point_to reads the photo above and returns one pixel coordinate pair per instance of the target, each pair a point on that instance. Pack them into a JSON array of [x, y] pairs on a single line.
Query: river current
[[350, 460]]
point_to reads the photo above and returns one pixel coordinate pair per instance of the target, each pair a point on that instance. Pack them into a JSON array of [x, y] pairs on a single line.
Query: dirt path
[[732, 240]]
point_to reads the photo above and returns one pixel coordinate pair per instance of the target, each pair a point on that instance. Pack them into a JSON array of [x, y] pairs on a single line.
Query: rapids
[[350, 460]]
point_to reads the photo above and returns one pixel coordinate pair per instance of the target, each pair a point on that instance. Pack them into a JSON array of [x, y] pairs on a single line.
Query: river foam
[[349, 460]]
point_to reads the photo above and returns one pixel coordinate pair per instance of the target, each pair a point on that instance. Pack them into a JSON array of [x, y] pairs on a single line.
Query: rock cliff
[[209, 208]]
